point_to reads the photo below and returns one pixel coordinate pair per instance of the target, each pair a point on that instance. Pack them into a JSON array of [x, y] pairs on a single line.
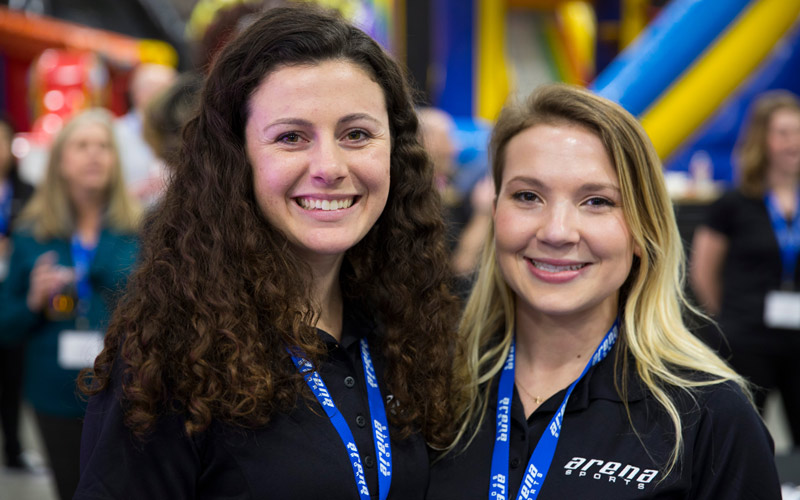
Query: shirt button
[[349, 381], [369, 462], [361, 421], [515, 462]]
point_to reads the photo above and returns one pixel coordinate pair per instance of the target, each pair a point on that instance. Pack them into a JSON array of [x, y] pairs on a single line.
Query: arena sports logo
[[612, 472]]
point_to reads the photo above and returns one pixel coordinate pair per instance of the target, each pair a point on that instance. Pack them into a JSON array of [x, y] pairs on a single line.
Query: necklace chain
[[536, 399]]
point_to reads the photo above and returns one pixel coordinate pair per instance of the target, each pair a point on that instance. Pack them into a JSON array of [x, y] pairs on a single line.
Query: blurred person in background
[[72, 248], [139, 163], [164, 118], [467, 215], [14, 193], [744, 268], [436, 128]]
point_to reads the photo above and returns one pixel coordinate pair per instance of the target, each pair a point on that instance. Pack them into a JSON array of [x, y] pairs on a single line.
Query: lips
[[326, 205], [556, 272]]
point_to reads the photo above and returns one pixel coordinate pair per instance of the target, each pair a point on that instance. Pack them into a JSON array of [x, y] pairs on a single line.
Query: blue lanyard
[[82, 259], [542, 457], [6, 198], [380, 426], [787, 234]]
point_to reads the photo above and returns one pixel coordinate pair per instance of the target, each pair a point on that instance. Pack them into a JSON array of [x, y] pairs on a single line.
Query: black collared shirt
[[728, 453], [298, 455], [752, 267]]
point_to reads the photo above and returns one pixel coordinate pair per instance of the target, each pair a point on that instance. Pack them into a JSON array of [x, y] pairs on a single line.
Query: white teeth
[[326, 205], [555, 269]]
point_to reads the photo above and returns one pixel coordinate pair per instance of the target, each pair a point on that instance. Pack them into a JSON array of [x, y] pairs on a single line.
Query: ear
[[637, 250]]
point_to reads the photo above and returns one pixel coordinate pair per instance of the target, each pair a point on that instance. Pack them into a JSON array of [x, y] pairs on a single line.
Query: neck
[[552, 342], [552, 351], [327, 295], [88, 215], [782, 181]]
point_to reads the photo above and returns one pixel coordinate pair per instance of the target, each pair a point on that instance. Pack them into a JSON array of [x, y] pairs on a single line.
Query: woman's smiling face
[[562, 242], [318, 140]]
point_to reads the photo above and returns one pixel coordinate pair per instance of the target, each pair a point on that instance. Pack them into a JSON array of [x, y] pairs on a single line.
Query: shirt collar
[[597, 384], [356, 324]]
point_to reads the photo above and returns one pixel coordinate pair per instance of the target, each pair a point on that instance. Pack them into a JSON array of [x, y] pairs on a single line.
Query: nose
[[559, 224], [328, 163]]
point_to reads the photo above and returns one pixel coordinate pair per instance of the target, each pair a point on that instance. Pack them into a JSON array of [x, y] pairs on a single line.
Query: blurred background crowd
[[93, 95]]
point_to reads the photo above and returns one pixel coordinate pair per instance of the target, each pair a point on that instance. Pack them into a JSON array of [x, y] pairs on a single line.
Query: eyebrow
[[299, 122], [588, 187]]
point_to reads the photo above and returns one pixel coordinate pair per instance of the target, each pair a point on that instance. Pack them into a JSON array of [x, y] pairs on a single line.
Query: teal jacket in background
[[49, 388]]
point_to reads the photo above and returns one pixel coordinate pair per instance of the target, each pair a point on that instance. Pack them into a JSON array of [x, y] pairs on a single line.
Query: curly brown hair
[[218, 295]]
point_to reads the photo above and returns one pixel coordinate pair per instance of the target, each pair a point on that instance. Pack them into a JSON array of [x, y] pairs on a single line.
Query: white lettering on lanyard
[[325, 398], [499, 484], [504, 407], [369, 370], [531, 476]]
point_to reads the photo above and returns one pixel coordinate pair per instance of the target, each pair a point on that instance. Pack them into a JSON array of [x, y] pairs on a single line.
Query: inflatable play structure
[[692, 72], [688, 73]]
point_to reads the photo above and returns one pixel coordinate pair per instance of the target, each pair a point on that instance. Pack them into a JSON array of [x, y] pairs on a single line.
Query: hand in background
[[46, 279]]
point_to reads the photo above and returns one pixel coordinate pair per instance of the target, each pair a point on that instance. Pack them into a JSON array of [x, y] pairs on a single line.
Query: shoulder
[[726, 410], [728, 448], [125, 244], [23, 240], [121, 236], [732, 210], [735, 199], [107, 442]]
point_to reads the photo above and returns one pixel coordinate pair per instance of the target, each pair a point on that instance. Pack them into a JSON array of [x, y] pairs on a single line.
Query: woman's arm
[[16, 317], [709, 249]]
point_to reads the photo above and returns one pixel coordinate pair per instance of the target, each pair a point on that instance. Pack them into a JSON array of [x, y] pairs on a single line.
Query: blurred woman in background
[[73, 247], [745, 267]]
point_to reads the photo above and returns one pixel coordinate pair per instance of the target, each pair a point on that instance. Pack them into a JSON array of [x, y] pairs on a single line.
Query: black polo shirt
[[752, 268], [298, 455], [728, 453]]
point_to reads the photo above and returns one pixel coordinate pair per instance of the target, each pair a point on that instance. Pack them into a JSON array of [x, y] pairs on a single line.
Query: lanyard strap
[[380, 426], [82, 259], [6, 199], [542, 456], [788, 235]]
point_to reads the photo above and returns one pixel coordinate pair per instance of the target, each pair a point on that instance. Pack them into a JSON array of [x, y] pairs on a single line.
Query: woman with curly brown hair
[[299, 245]]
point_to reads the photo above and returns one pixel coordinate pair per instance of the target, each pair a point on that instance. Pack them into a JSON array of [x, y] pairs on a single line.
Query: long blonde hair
[[49, 213], [752, 155], [651, 299]]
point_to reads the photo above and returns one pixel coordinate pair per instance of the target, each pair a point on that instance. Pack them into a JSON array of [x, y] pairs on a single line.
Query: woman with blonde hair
[[580, 378], [746, 255], [73, 246]]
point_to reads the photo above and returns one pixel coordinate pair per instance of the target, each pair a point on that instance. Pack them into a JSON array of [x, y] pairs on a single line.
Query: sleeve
[[16, 320], [733, 457], [719, 213], [116, 464]]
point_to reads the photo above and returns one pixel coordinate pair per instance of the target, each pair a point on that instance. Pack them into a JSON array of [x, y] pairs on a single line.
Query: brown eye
[[598, 201], [290, 137], [356, 135], [526, 196]]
